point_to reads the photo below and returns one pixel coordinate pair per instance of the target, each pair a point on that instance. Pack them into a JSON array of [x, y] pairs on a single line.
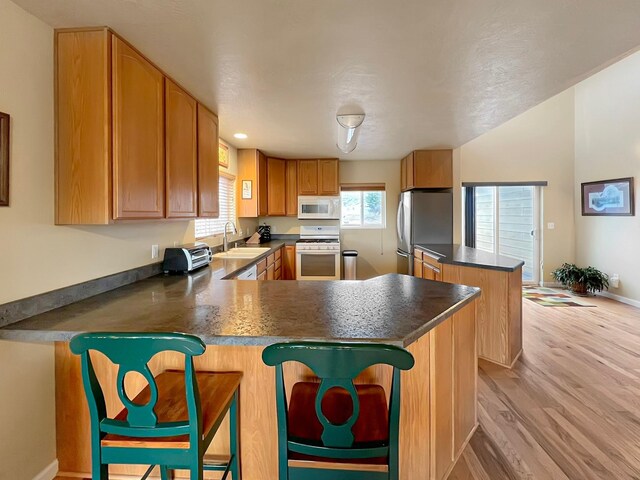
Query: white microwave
[[317, 208]]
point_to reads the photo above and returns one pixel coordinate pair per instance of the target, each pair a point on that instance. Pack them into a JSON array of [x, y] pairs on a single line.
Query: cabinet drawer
[[262, 266], [262, 276], [278, 254], [278, 273], [278, 264], [426, 258], [271, 259], [417, 254]]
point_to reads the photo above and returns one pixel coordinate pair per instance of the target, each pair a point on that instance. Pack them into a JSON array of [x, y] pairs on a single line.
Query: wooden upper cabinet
[[181, 152], [291, 196], [276, 186], [427, 169], [138, 135], [318, 177], [328, 177], [208, 168], [252, 167], [83, 133], [126, 147], [263, 192], [307, 177]]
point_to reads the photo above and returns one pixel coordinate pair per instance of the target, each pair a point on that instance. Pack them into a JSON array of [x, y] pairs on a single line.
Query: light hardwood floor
[[570, 408]]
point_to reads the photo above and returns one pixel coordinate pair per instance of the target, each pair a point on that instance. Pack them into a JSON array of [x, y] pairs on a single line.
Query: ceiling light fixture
[[348, 131], [240, 136]]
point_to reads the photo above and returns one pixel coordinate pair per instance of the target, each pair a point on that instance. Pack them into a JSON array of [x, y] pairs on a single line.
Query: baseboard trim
[[620, 298], [49, 473]]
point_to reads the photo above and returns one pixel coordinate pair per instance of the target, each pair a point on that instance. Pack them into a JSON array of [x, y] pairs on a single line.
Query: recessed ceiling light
[[240, 136]]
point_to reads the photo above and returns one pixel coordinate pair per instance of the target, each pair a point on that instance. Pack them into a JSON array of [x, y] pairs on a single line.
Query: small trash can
[[349, 260]]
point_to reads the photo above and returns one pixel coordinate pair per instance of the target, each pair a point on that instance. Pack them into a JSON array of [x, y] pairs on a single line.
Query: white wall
[[607, 146], [38, 256], [537, 145]]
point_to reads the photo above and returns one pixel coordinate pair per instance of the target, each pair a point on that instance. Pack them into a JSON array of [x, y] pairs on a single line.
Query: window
[[215, 226], [363, 206]]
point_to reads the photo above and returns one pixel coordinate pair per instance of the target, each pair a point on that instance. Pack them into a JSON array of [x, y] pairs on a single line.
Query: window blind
[[215, 226], [362, 187]]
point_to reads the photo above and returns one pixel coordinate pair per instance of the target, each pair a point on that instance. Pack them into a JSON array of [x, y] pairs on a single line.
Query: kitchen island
[[435, 321], [500, 308]]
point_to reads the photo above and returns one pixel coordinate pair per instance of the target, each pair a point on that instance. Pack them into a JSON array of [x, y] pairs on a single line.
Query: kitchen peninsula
[[499, 310], [435, 321]]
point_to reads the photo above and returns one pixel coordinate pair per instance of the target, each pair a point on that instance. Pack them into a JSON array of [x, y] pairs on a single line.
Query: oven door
[[317, 265]]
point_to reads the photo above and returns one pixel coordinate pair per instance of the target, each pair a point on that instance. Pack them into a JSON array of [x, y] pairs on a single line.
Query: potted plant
[[581, 281]]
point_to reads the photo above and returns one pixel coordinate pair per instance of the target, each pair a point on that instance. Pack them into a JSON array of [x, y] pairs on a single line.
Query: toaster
[[186, 258]]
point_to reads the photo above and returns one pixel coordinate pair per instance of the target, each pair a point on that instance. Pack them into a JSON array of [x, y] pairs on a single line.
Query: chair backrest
[[132, 353], [337, 365]]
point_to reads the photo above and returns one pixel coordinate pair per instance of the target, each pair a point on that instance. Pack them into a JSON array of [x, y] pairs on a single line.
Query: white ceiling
[[427, 73]]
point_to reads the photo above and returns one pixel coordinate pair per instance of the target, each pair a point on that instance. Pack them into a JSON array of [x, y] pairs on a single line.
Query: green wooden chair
[[334, 429], [172, 421]]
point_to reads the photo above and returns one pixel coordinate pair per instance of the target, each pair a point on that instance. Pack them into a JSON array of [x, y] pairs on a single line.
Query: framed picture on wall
[[4, 159], [608, 198], [246, 189], [223, 155]]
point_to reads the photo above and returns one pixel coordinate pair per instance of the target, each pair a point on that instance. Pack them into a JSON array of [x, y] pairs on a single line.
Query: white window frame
[[215, 226], [362, 226]]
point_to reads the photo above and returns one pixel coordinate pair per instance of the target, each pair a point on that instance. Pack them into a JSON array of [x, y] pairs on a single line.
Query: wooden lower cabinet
[[289, 263], [438, 397], [499, 310]]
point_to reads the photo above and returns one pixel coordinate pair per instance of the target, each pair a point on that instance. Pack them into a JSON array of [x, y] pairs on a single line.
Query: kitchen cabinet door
[[262, 276], [465, 368], [403, 174], [328, 177], [307, 177], [441, 366], [417, 268], [276, 186], [181, 139], [433, 169], [271, 271], [263, 191], [292, 188], [409, 173], [289, 263], [208, 169], [83, 128], [138, 135]]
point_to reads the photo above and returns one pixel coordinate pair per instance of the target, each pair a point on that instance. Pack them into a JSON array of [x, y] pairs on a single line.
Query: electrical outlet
[[551, 226], [155, 251]]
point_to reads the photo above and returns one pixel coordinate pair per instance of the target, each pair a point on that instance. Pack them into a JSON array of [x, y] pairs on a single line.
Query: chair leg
[[196, 471], [234, 438], [99, 471], [165, 473]]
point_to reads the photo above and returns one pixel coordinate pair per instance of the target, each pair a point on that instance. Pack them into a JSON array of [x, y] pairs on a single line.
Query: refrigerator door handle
[[402, 254], [398, 225]]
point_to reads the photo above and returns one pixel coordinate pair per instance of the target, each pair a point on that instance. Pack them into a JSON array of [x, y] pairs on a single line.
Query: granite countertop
[[470, 257], [394, 309]]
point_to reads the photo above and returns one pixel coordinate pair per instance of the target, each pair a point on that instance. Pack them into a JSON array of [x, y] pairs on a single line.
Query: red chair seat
[[372, 425]]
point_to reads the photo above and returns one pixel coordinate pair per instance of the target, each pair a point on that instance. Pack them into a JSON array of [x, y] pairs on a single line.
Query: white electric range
[[318, 253]]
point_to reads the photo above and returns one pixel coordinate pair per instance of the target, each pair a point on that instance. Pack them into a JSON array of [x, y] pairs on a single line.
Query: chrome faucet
[[225, 243]]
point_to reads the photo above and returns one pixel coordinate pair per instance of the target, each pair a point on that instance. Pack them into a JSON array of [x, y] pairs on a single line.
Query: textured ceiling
[[427, 73]]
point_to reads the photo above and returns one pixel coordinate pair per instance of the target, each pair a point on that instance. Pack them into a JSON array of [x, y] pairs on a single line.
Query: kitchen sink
[[242, 252]]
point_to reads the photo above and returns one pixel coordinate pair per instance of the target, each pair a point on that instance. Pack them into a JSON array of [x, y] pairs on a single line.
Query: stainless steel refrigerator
[[423, 217]]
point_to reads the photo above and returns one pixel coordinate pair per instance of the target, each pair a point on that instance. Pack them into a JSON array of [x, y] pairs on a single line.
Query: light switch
[[551, 226]]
